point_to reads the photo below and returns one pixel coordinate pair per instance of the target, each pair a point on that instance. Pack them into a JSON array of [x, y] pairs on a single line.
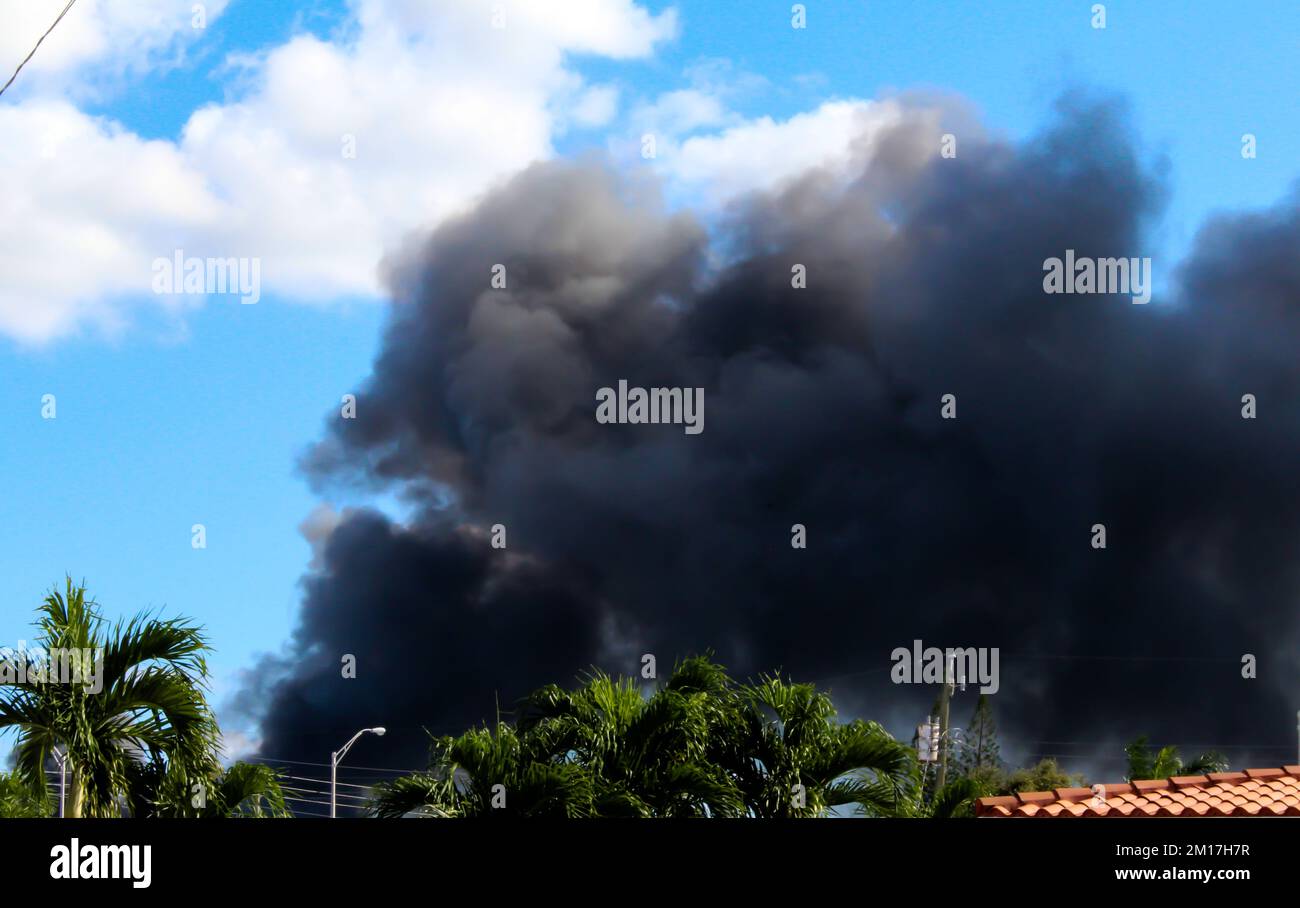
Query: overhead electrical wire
[[38, 44]]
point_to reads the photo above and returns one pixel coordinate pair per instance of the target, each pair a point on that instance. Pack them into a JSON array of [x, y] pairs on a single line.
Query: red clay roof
[[1254, 792]]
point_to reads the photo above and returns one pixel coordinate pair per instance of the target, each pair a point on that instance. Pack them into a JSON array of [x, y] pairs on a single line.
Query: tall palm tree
[[790, 758], [148, 705]]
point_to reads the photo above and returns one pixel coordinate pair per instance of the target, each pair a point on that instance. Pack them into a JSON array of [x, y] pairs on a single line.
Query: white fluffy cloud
[[761, 154], [437, 102], [334, 151], [88, 206], [709, 154]]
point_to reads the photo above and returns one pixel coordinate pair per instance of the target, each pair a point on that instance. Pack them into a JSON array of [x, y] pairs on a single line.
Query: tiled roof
[[1255, 792]]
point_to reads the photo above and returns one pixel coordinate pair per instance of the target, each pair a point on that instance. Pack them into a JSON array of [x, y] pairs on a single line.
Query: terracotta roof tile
[[1145, 785], [1074, 794], [1255, 792], [1266, 773], [1228, 776], [1003, 801]]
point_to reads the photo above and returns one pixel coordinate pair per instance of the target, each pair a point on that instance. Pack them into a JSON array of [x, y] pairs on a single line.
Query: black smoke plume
[[822, 408]]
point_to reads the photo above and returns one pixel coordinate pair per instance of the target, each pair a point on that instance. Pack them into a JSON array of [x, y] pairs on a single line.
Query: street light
[[337, 757]]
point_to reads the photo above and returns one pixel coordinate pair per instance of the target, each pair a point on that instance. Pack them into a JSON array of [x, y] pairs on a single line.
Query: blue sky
[[171, 415]]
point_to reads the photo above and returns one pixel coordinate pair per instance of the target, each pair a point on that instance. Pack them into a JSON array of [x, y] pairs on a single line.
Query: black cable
[[38, 44]]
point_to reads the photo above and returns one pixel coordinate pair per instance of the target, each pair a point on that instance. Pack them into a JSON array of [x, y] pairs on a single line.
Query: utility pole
[[944, 696]]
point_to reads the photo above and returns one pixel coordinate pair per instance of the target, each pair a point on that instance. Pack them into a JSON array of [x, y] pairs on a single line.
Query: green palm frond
[[146, 639], [151, 707], [250, 790], [954, 799], [422, 794], [696, 745]]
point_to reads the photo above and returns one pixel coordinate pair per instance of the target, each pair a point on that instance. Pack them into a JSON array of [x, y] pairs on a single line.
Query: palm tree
[[648, 757], [917, 800], [249, 790], [955, 799], [242, 790], [603, 749], [487, 772], [147, 704], [1166, 762], [790, 758], [698, 746], [424, 794]]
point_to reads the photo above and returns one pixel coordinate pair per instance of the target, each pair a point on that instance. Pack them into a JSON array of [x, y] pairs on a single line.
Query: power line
[[38, 44], [327, 781], [325, 794], [326, 765], [307, 801]]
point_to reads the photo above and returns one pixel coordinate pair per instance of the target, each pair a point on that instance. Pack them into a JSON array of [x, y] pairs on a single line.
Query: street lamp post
[[337, 757]]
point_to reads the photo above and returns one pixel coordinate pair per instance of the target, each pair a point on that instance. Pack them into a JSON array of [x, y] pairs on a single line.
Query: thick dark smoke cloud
[[822, 407]]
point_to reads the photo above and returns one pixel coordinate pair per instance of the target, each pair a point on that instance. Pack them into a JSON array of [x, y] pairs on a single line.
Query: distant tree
[[17, 799], [1045, 775], [988, 780], [1147, 763], [980, 750]]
